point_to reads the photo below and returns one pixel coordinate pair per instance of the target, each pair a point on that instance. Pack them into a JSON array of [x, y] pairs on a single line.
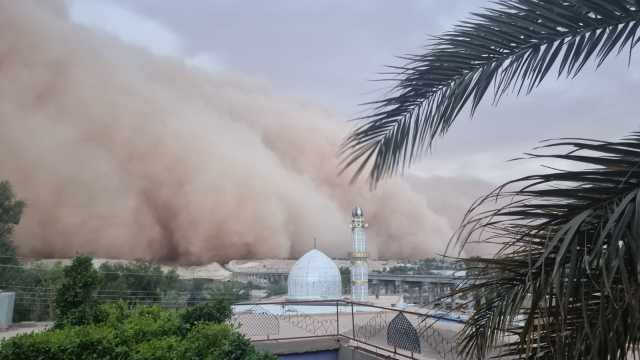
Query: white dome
[[314, 276]]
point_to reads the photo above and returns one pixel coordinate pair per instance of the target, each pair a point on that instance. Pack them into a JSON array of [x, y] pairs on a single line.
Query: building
[[359, 266], [314, 277]]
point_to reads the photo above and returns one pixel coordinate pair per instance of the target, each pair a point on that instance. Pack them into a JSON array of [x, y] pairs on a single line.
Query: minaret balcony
[[359, 254]]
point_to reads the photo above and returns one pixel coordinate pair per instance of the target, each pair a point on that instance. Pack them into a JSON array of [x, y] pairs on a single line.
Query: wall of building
[[313, 349], [317, 355], [348, 353]]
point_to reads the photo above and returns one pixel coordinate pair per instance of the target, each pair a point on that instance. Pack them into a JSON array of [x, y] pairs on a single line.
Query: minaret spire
[[359, 267]]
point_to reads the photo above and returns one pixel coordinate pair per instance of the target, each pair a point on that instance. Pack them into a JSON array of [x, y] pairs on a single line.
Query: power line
[[98, 270]]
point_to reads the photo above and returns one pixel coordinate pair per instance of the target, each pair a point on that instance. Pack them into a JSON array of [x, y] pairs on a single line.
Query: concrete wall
[[349, 353], [302, 346], [313, 349], [317, 355]]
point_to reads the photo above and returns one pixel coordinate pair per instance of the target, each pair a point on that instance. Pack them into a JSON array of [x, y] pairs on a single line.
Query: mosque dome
[[314, 277]]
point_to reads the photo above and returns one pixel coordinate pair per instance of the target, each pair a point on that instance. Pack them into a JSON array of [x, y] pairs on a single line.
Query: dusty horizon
[[122, 153]]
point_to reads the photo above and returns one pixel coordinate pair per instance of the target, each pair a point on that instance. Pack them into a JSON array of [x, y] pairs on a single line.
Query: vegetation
[[231, 291], [142, 333], [138, 282], [428, 266], [510, 48], [215, 311], [277, 288], [401, 270], [571, 268], [35, 292], [135, 283], [568, 259], [345, 276], [11, 273], [87, 330], [10, 214], [76, 302]]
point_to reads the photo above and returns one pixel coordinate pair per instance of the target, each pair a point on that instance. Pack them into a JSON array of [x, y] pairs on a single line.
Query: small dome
[[357, 212], [314, 277]]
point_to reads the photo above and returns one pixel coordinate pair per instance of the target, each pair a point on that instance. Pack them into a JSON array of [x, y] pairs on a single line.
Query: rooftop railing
[[387, 331]]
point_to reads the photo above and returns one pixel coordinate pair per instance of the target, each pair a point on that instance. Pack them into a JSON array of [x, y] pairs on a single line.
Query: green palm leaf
[[569, 262], [512, 47]]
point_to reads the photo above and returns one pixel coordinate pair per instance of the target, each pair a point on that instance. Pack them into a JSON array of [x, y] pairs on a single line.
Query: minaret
[[359, 267]]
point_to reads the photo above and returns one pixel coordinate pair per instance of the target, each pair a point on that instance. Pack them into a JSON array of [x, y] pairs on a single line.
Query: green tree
[[509, 48], [7, 254], [345, 276], [401, 270], [568, 259], [427, 266], [10, 214], [139, 282], [196, 291], [215, 311], [232, 291], [568, 262], [76, 302], [12, 276], [34, 284]]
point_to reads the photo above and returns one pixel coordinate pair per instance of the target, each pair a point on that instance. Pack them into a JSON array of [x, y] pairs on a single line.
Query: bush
[[220, 341], [166, 348], [70, 343], [216, 311], [145, 323], [142, 333]]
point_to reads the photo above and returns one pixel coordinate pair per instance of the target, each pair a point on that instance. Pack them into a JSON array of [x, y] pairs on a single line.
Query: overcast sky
[[326, 52]]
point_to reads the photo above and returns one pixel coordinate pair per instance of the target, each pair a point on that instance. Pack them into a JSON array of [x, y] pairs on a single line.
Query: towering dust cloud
[[119, 153]]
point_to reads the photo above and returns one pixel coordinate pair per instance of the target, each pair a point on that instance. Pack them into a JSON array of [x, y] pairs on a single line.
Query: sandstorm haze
[[124, 154]]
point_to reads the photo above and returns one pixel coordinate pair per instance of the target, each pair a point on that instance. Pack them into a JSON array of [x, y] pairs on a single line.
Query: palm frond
[[512, 47], [569, 265]]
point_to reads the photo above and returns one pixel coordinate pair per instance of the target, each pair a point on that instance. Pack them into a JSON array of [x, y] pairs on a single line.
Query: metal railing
[[386, 331]]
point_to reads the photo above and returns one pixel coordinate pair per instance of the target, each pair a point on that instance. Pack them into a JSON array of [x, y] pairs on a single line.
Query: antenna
[[315, 243]]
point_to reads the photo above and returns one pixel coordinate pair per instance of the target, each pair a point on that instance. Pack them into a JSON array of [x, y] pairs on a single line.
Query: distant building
[[314, 277]]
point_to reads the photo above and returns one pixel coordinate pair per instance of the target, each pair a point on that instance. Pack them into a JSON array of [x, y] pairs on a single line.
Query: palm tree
[[569, 258], [510, 48]]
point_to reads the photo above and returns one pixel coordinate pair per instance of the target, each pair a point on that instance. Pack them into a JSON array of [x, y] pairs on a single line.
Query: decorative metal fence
[[387, 331]]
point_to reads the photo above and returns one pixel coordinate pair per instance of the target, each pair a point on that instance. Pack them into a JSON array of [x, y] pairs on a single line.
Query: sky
[[328, 52]]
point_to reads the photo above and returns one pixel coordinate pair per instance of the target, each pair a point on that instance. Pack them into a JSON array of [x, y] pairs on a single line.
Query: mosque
[[316, 277]]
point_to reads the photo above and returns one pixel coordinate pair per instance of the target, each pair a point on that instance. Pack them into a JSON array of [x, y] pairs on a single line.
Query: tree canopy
[[10, 214], [568, 262], [511, 47]]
